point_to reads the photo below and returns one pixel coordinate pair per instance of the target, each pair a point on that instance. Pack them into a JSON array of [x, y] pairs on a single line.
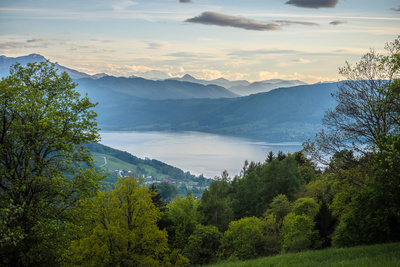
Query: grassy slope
[[117, 164], [376, 255]]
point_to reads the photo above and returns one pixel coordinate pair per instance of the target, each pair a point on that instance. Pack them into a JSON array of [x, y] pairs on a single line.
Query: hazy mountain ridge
[[155, 90], [284, 114]]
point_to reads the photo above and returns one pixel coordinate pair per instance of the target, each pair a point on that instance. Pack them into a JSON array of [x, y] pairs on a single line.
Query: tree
[[249, 238], [367, 106], [183, 217], [122, 230], [45, 167], [214, 205], [203, 245], [374, 214]]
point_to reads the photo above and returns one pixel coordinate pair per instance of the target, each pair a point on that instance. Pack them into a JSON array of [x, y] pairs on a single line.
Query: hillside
[[118, 163], [286, 114], [155, 90], [376, 255]]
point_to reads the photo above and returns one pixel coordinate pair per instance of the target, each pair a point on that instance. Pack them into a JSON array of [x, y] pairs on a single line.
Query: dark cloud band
[[313, 3], [218, 19], [337, 22], [185, 1]]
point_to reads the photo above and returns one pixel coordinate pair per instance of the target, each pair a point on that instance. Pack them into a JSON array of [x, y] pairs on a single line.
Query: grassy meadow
[[362, 256]]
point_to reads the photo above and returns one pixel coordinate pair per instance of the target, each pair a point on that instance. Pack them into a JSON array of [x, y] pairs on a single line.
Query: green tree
[[279, 208], [299, 233], [45, 167], [214, 205], [122, 230], [245, 239], [183, 217], [367, 105], [203, 245], [374, 214]]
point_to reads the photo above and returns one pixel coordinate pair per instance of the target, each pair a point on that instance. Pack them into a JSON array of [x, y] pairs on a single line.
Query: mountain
[[6, 62], [220, 81], [148, 89], [264, 86], [153, 75], [284, 114]]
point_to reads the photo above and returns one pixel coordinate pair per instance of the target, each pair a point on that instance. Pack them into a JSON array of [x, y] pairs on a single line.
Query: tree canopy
[[45, 167]]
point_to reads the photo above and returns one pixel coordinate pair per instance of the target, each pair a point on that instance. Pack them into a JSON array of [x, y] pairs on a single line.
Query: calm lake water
[[199, 153]]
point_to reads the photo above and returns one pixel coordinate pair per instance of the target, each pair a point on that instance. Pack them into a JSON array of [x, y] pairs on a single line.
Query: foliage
[[167, 191], [122, 230], [203, 245], [300, 234], [45, 167], [183, 217], [245, 239], [362, 256], [214, 205], [307, 207], [279, 208], [374, 215], [367, 105]]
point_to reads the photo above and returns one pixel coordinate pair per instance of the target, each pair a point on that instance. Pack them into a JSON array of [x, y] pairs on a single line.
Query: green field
[[366, 256], [116, 164]]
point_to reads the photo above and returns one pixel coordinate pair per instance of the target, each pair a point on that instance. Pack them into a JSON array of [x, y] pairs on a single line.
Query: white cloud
[[123, 5]]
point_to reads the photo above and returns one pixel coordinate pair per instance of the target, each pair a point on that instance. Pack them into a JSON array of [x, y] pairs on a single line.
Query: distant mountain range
[[188, 104]]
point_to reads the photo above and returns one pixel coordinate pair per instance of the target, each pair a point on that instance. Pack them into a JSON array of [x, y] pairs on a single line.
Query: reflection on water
[[199, 153]]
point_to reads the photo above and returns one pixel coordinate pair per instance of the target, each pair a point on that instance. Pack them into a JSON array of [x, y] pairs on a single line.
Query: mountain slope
[[286, 114], [6, 62], [156, 90]]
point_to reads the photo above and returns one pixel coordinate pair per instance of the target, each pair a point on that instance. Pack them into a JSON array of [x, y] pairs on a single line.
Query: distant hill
[[156, 90], [220, 81], [117, 163], [6, 62], [242, 87], [285, 114], [264, 86]]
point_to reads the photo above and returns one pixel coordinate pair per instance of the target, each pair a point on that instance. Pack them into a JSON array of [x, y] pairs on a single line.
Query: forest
[[341, 190]]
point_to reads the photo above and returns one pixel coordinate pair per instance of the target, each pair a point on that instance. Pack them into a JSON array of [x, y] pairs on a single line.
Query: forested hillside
[[170, 181], [286, 114]]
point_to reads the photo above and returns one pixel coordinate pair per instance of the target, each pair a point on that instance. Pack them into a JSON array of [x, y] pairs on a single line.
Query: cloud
[[218, 19], [34, 40], [185, 1], [251, 53], [123, 5], [158, 45], [313, 3], [396, 9], [289, 22], [337, 22]]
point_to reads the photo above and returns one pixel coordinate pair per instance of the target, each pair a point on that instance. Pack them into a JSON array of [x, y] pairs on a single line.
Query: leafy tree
[[167, 191], [122, 230], [203, 245], [305, 206], [183, 217], [367, 105], [279, 208], [244, 239], [374, 214], [299, 233], [214, 205], [45, 167]]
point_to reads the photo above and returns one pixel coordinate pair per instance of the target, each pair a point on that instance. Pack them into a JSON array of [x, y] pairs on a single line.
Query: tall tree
[[122, 230], [44, 163], [366, 107]]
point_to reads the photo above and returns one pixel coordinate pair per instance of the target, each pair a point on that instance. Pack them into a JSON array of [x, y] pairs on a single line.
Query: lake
[[199, 153]]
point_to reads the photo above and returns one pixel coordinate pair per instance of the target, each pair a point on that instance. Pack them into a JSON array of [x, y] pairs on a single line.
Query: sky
[[254, 40]]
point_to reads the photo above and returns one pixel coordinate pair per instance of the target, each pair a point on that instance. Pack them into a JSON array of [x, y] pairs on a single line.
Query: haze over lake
[[199, 153]]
